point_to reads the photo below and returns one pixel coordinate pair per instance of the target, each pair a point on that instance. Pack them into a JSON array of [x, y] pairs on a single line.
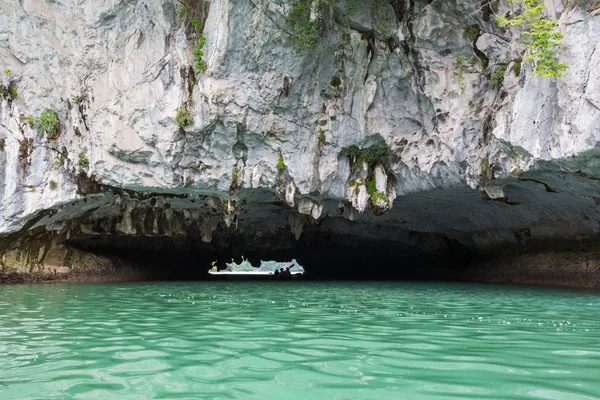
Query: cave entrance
[[265, 268]]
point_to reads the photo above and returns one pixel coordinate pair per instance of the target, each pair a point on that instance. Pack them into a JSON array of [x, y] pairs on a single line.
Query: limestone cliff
[[389, 134]]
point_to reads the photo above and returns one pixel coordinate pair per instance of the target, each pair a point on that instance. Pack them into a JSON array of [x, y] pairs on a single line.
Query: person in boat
[[276, 273], [288, 273]]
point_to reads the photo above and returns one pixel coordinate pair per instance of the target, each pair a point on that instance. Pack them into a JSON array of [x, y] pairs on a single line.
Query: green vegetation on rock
[[235, 176], [378, 197], [471, 32], [83, 161], [280, 164], [540, 36], [53, 185], [517, 68], [377, 152], [497, 76], [183, 117], [48, 124]]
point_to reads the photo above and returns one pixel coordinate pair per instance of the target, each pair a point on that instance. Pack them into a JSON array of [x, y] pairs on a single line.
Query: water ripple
[[293, 340]]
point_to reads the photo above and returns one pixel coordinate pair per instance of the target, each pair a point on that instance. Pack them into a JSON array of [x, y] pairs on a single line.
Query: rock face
[[385, 143]]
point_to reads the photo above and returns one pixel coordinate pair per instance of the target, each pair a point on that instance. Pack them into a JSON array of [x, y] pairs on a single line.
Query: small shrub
[[7, 71], [198, 52], [303, 29], [83, 161], [48, 124], [235, 172], [321, 136], [371, 187], [517, 68], [471, 32], [335, 82], [53, 185], [14, 94], [280, 164], [497, 76], [78, 100], [379, 197], [372, 154], [27, 119], [182, 12], [540, 36], [184, 118]]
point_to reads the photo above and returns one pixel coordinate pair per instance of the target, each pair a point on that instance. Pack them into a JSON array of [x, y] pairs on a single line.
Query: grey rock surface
[[467, 160]]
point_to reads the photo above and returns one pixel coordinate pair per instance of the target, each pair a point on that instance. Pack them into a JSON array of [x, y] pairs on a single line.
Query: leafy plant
[[182, 12], [78, 100], [280, 164], [377, 152], [183, 117], [198, 52], [497, 76], [53, 185], [48, 124], [371, 186], [335, 82], [321, 136], [517, 68], [471, 32], [7, 71], [83, 161], [540, 37], [235, 172], [302, 27], [378, 197]]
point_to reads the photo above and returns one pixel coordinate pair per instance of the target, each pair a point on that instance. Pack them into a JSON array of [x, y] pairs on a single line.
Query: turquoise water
[[298, 340]]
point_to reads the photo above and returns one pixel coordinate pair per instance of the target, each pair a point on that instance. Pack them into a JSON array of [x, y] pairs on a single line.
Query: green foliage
[[9, 92], [2, 144], [335, 82], [371, 187], [280, 164], [303, 30], [497, 76], [183, 117], [198, 52], [7, 71], [83, 161], [377, 152], [378, 197], [27, 119], [14, 94], [540, 37], [53, 185], [321, 136], [48, 124], [464, 60], [182, 12], [78, 100], [471, 32], [517, 68], [235, 176]]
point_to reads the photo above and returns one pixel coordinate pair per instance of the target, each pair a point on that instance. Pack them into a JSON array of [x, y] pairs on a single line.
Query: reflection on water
[[298, 340]]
